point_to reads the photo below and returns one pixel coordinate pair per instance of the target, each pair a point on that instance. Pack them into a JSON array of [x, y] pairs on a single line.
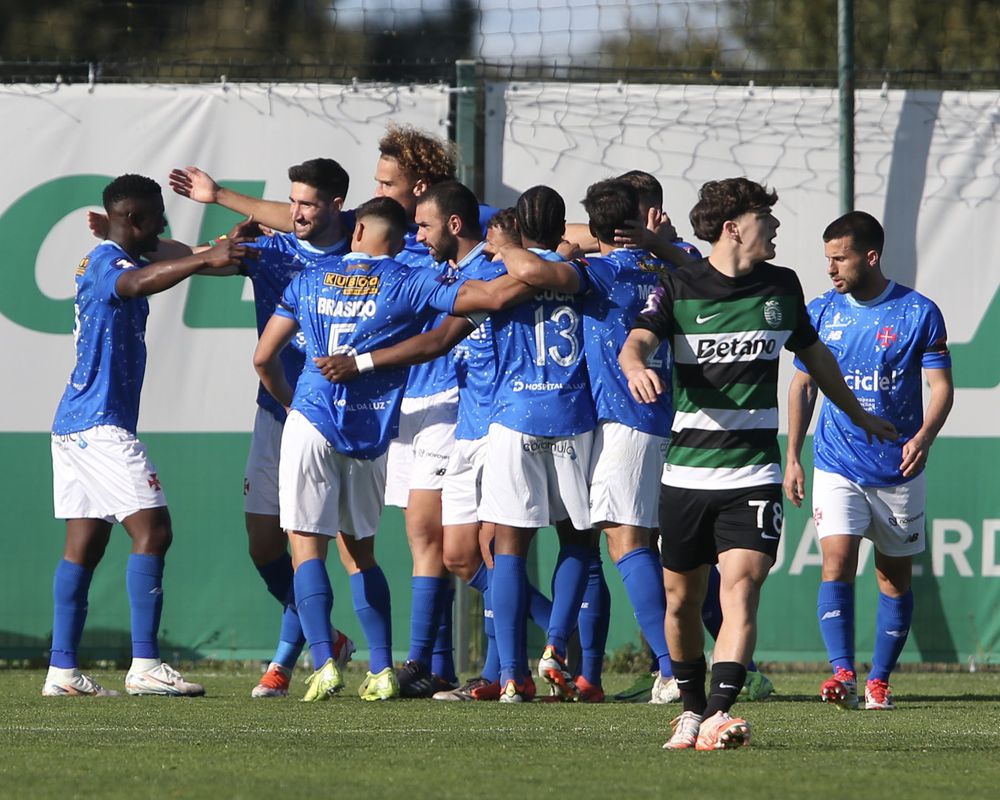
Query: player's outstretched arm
[[416, 350], [644, 384], [526, 266], [493, 295], [199, 186], [276, 335], [942, 398], [162, 275], [823, 367], [801, 403]]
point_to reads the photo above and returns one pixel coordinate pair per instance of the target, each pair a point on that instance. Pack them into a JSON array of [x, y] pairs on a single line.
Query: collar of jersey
[[362, 257], [852, 300], [325, 250], [473, 253]]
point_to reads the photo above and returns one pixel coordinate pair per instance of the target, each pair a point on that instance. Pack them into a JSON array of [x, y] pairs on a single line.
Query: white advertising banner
[[926, 164], [60, 145]]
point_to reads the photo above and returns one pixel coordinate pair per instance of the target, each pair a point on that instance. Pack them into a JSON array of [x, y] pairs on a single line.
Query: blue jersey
[[280, 258], [881, 345], [542, 387], [356, 304], [437, 375], [476, 357], [110, 336], [621, 283]]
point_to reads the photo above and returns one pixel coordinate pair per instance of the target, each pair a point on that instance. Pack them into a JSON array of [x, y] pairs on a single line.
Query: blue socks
[[428, 596], [539, 607], [373, 605], [510, 584], [594, 620], [643, 578], [892, 625], [144, 582], [314, 598], [835, 611], [69, 593], [569, 581], [443, 657], [491, 663], [278, 576]]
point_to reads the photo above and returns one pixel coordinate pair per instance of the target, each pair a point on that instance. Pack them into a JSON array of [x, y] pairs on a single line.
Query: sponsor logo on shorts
[[559, 448], [902, 522], [154, 482], [246, 486]]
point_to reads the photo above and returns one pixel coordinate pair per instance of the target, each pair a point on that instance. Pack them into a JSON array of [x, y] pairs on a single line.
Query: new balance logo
[[897, 634], [156, 590], [830, 615]]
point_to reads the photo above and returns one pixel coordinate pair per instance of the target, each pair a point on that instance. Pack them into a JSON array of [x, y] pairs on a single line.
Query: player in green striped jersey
[[727, 317]]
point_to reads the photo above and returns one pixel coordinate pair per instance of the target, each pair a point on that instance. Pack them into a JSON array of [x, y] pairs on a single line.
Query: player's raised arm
[[416, 350], [942, 390], [560, 276], [276, 335], [801, 403], [826, 372], [199, 186]]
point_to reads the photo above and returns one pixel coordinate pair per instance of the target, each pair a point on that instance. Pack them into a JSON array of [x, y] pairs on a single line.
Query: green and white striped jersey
[[726, 335]]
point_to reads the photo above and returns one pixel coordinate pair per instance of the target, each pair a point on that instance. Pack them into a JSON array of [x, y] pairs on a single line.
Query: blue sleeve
[[268, 250], [600, 273], [107, 273], [427, 288], [935, 340], [288, 306]]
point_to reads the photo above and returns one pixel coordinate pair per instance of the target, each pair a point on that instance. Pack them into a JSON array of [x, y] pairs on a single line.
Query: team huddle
[[492, 372]]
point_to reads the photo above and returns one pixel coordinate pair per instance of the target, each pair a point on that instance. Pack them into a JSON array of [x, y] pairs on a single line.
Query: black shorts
[[698, 524]]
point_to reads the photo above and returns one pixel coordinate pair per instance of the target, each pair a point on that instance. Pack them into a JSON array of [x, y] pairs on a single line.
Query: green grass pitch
[[942, 741]]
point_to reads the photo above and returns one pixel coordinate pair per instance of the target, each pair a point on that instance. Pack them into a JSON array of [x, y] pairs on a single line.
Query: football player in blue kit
[[332, 467], [313, 218], [887, 339], [101, 471]]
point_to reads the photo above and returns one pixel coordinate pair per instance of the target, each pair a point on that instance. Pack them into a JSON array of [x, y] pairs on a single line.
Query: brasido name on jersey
[[331, 307]]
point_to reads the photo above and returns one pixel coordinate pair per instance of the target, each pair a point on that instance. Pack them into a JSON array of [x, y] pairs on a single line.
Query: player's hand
[[99, 224], [645, 385], [795, 483], [247, 229], [915, 454], [337, 368], [569, 250], [634, 235], [879, 428], [229, 253], [191, 182]]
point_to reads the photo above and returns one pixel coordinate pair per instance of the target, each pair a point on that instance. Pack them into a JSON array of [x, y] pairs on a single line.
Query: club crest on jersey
[[772, 313], [82, 266], [352, 284], [885, 336]]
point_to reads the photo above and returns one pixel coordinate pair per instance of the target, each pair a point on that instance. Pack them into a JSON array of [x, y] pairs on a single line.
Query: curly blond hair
[[419, 154]]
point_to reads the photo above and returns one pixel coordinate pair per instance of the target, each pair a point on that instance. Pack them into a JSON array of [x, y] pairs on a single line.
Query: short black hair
[[128, 187], [719, 201], [865, 232], [452, 197], [541, 215], [385, 209], [324, 175], [608, 205], [649, 188], [506, 220]]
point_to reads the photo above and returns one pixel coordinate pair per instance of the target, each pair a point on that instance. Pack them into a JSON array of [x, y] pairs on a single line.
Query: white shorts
[[891, 516], [102, 473], [463, 482], [625, 472], [418, 457], [260, 480], [532, 481], [323, 491]]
